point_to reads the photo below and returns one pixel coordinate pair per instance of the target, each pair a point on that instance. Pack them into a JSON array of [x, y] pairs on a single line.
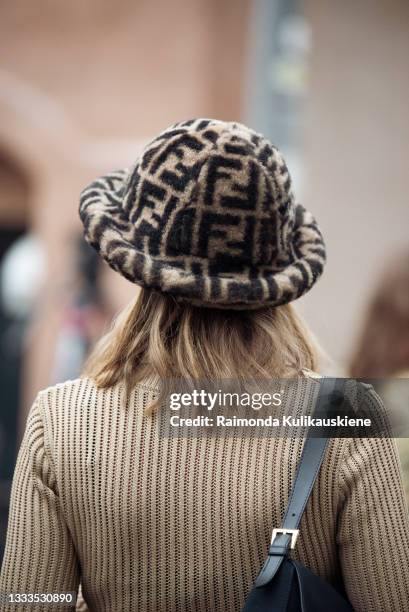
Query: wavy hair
[[155, 335]]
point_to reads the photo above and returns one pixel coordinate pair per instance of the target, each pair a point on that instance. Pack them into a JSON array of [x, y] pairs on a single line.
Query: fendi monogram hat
[[206, 214]]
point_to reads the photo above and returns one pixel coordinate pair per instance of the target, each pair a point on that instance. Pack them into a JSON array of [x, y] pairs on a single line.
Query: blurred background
[[83, 85]]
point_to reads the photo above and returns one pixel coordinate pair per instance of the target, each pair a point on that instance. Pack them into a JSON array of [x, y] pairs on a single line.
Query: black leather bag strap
[[312, 455]]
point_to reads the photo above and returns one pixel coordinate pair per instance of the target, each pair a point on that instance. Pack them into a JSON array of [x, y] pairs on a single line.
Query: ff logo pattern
[[206, 214]]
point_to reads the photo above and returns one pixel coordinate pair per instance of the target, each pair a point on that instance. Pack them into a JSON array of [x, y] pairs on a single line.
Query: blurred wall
[[356, 151], [82, 86]]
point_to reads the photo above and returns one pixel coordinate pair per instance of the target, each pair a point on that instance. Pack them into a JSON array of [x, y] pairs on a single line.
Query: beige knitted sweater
[[152, 524]]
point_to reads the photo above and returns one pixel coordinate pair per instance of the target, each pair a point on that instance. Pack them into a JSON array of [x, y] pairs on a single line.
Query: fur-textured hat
[[207, 215]]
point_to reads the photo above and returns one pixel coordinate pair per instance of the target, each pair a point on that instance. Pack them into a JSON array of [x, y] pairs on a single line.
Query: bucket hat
[[207, 215]]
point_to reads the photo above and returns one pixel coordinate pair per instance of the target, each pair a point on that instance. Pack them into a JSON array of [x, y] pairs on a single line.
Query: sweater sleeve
[[373, 527], [39, 555]]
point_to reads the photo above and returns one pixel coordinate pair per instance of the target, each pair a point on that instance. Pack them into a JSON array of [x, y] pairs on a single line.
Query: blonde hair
[[157, 336]]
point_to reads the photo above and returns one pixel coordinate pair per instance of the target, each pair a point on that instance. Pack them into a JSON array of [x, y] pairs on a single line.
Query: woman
[[206, 223]]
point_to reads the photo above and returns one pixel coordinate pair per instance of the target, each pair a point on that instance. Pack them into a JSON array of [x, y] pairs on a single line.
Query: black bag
[[283, 584]]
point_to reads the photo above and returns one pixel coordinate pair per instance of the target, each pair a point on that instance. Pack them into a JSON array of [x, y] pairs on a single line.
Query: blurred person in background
[[207, 224], [22, 265], [382, 350], [84, 314]]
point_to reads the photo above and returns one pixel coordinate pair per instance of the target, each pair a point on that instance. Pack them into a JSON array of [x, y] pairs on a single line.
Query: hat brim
[[108, 229]]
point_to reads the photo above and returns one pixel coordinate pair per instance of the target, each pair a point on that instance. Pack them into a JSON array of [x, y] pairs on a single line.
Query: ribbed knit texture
[[151, 524]]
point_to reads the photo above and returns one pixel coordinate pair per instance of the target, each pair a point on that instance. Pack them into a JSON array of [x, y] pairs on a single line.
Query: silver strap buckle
[[281, 531]]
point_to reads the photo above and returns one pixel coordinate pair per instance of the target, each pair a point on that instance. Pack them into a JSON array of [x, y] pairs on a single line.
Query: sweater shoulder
[[66, 385], [79, 398], [68, 393], [76, 399]]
